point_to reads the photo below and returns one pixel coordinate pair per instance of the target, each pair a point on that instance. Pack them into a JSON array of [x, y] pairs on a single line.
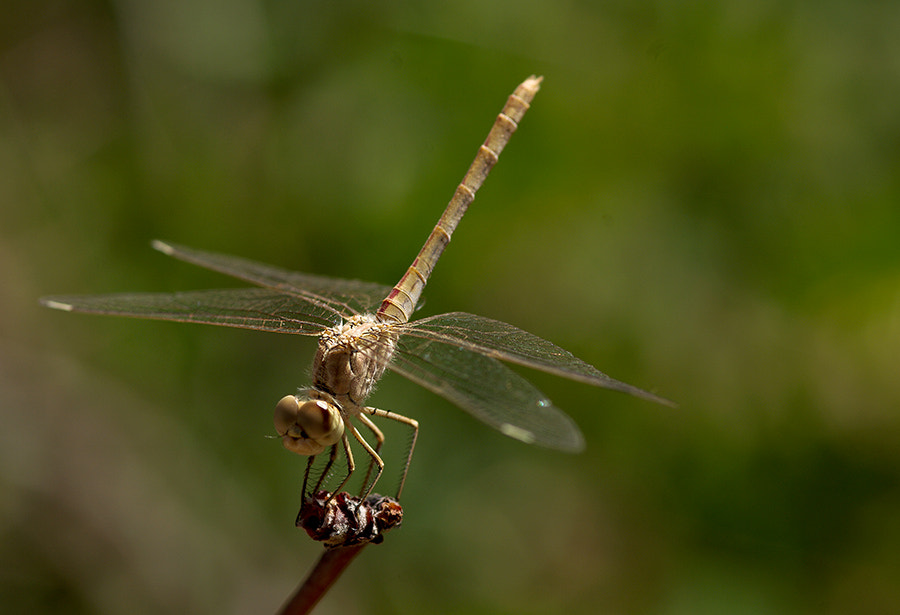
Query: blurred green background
[[703, 201]]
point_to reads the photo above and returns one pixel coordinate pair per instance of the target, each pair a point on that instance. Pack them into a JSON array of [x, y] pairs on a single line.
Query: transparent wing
[[247, 308], [488, 390], [504, 341], [348, 296]]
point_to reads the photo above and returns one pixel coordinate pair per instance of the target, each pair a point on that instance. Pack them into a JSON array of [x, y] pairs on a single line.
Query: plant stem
[[328, 569]]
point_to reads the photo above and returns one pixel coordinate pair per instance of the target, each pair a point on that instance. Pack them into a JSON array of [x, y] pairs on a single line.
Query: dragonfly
[[365, 328]]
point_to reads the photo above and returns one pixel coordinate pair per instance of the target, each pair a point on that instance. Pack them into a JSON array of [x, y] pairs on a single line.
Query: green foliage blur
[[704, 201]]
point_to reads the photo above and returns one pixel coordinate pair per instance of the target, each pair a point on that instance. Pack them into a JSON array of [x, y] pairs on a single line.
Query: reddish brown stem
[[328, 569]]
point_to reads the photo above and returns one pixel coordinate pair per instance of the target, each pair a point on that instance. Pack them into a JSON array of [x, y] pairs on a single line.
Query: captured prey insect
[[365, 328]]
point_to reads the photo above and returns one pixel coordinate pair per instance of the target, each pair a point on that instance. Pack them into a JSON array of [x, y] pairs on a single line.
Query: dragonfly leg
[[308, 495], [376, 458], [379, 442], [412, 424], [351, 465], [332, 457], [309, 465]]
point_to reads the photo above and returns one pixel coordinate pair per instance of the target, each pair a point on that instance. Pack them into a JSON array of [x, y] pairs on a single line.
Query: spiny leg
[[309, 465], [413, 424], [367, 489], [308, 495], [332, 457], [351, 465], [379, 442]]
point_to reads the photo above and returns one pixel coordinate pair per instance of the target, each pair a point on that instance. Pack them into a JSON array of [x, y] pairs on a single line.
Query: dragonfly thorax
[[351, 357]]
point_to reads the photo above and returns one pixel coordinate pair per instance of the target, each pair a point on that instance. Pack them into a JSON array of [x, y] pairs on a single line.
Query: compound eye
[[307, 428], [286, 413]]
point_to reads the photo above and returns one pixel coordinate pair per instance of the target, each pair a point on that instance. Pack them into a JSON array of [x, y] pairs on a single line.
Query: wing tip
[[568, 438], [517, 433], [576, 445], [52, 303], [630, 389], [163, 247], [660, 400]]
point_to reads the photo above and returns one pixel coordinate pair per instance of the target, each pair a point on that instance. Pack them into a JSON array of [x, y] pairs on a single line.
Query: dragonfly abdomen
[[398, 306]]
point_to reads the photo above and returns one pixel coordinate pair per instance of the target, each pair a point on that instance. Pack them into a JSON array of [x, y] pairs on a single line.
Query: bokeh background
[[703, 201]]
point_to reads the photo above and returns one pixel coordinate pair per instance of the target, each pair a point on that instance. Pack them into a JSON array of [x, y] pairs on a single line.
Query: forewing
[[347, 296], [488, 390], [504, 341], [247, 308]]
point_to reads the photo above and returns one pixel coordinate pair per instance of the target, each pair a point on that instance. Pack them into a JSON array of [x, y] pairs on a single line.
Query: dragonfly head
[[308, 428]]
